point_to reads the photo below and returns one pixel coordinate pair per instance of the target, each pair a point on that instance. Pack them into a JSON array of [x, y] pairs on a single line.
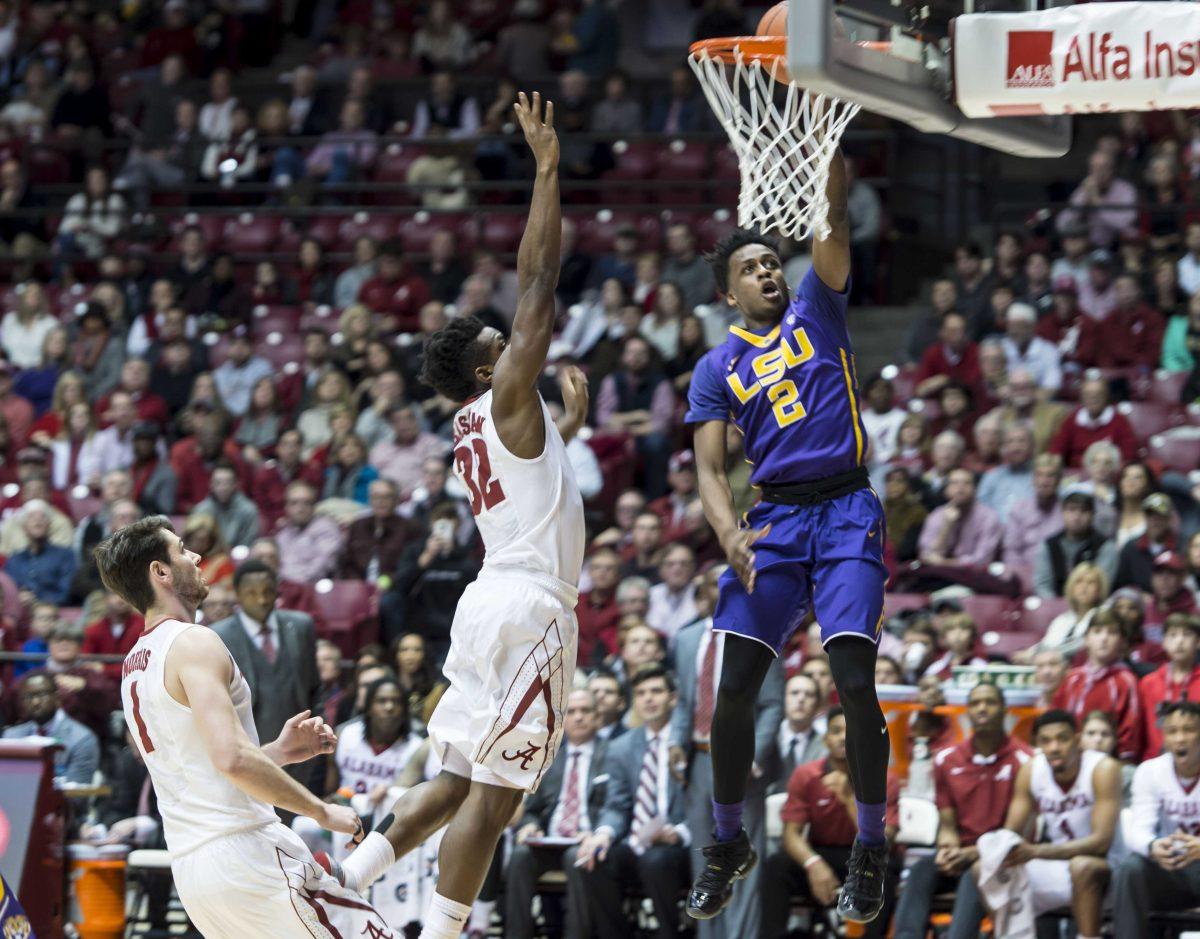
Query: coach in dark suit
[[274, 649], [567, 804], [642, 839], [698, 662]]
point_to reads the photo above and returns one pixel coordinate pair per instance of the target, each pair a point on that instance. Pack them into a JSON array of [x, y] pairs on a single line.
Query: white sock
[[481, 915], [368, 862], [445, 918]]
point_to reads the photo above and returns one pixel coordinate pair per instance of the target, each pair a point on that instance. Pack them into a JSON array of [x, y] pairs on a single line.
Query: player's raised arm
[[201, 662], [517, 371], [831, 257]]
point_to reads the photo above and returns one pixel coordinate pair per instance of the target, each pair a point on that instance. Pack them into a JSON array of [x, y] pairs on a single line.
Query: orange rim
[[753, 48]]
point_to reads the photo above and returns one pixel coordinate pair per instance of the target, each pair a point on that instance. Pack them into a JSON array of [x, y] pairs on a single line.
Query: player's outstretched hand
[[538, 128], [739, 548], [574, 386], [343, 819], [304, 737]]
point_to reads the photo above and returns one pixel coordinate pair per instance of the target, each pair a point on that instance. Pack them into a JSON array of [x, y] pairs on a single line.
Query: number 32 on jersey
[[770, 368], [475, 467]]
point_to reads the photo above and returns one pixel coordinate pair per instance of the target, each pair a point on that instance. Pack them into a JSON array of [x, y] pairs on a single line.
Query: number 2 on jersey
[[475, 468]]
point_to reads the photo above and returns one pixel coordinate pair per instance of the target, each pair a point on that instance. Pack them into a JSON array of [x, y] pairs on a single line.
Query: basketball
[[774, 23]]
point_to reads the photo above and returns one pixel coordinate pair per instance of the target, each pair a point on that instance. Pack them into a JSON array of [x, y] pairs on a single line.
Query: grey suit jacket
[[778, 769], [79, 757], [277, 693], [768, 709], [539, 807], [623, 764]]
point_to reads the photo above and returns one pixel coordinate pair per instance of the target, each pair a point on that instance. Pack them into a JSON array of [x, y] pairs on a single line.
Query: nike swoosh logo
[[871, 533]]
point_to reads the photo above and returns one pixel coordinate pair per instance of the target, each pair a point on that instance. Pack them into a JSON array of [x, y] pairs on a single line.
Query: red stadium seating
[[351, 612], [682, 169], [1151, 417], [417, 230], [617, 457], [596, 232], [894, 603], [213, 227], [726, 175], [712, 228], [990, 612], [251, 233], [1177, 449], [283, 319], [501, 231], [84, 505], [324, 229], [1034, 614], [379, 227], [635, 161], [1166, 387], [280, 348], [391, 166], [997, 644]]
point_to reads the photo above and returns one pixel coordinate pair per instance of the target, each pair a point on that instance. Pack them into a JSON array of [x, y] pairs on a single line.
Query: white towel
[[1005, 890]]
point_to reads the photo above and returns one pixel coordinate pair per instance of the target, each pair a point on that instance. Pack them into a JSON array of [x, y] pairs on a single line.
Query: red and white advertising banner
[[1082, 59]]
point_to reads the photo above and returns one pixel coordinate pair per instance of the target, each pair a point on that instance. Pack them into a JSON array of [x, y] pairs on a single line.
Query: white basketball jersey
[[1178, 808], [360, 766], [197, 803], [529, 512], [1065, 815]]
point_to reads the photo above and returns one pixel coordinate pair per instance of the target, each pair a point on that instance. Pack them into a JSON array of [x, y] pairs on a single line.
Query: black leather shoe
[[861, 897], [725, 863]]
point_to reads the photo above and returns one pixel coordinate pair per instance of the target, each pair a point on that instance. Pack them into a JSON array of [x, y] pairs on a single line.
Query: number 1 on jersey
[[475, 468]]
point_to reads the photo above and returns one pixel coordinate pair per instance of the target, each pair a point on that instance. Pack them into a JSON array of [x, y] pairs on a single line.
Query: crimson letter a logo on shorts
[[1029, 64]]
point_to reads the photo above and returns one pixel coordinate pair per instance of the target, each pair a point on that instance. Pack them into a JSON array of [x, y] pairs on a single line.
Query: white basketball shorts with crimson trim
[[512, 659], [263, 882]]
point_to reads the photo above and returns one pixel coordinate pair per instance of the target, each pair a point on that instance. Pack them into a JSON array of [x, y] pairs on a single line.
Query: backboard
[[892, 57]]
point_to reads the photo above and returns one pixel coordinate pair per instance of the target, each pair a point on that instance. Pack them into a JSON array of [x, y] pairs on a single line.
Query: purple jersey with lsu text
[[791, 390]]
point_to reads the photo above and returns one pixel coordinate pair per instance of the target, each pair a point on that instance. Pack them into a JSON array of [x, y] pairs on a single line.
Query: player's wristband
[[812, 860]]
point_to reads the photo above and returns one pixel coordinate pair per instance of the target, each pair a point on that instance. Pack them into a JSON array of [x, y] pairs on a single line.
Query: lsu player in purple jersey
[[786, 380]]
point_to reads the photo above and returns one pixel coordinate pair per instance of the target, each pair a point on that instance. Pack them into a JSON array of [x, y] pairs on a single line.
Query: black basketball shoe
[[725, 863], [861, 897]]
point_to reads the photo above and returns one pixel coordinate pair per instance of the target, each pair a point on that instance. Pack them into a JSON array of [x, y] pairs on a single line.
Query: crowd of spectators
[[1033, 444]]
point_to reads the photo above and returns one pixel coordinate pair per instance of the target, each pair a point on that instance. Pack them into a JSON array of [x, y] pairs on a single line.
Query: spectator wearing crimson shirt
[[273, 477], [1177, 680], [954, 357], [395, 290], [1168, 593], [1130, 336], [135, 381], [1060, 325], [597, 609], [1095, 419], [17, 411], [813, 864], [1105, 683], [973, 782], [175, 36], [113, 634], [194, 458]]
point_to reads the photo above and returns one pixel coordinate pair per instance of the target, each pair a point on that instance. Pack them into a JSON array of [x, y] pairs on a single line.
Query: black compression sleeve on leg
[[744, 664], [852, 662]]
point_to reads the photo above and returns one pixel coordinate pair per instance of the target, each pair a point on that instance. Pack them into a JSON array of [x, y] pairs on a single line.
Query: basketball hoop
[[784, 148]]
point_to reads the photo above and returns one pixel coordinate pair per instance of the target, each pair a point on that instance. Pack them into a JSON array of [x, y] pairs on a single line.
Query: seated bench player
[[1077, 795], [973, 784], [1162, 873]]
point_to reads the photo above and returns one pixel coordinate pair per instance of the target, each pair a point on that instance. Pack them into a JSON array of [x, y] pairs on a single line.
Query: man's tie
[[645, 806], [568, 823], [791, 754], [268, 644], [705, 694]]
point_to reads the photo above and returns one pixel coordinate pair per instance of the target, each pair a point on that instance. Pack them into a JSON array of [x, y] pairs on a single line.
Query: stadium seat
[[634, 161], [83, 505], [213, 227], [1034, 614], [14, 610], [417, 230], [617, 457], [324, 230], [1166, 387], [999, 644], [378, 227], [596, 232], [48, 167], [1151, 417], [713, 227], [271, 318], [323, 318], [280, 348], [895, 603], [501, 231], [351, 612], [391, 166], [990, 612], [251, 233], [1178, 449], [682, 169], [726, 175]]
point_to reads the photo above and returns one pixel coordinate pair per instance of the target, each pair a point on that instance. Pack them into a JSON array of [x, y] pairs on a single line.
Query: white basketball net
[[783, 149]]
